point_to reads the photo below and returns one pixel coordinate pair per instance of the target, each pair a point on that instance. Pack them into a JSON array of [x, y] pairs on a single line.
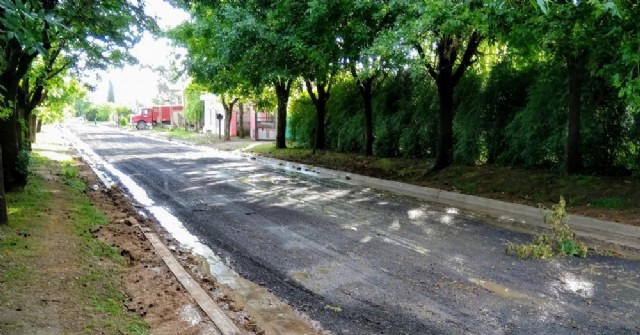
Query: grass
[[100, 289], [611, 203], [187, 135]]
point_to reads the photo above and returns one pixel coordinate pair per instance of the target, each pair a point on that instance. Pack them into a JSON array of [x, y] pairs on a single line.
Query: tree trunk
[[576, 67], [366, 91], [33, 128], [4, 217], [444, 157], [447, 78], [320, 102], [9, 140], [282, 88], [321, 111], [228, 109], [241, 120], [39, 126]]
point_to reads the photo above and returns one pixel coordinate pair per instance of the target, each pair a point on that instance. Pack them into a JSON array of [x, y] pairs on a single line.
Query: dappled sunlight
[[416, 214], [366, 239], [355, 225], [395, 226], [403, 242], [446, 219], [54, 155], [14, 210], [569, 282], [452, 210]]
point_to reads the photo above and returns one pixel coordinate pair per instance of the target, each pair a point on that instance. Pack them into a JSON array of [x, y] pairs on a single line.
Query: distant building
[[259, 126]]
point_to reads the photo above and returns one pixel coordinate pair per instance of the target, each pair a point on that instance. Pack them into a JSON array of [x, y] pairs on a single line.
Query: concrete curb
[[224, 324], [606, 231]]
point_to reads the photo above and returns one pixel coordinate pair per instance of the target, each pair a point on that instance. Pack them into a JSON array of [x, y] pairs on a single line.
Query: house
[[261, 124]]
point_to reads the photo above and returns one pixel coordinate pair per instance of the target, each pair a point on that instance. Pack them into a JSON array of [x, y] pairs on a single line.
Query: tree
[[239, 48], [446, 36], [364, 53], [60, 35], [110, 95], [584, 36]]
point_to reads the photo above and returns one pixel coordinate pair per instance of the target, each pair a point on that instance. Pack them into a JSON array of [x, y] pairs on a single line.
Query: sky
[[138, 82]]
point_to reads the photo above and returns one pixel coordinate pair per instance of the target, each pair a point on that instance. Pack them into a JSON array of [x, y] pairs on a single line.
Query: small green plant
[[69, 172], [561, 241], [385, 164]]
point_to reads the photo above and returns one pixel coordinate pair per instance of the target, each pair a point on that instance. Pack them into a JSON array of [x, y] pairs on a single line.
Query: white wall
[[212, 106]]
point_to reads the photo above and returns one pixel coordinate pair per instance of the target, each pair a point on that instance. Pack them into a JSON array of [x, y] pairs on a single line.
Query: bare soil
[[154, 292], [54, 299]]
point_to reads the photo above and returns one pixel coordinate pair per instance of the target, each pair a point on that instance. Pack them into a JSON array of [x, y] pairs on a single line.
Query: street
[[362, 261]]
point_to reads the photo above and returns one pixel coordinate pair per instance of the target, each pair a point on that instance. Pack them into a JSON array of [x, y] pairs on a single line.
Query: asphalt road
[[361, 261]]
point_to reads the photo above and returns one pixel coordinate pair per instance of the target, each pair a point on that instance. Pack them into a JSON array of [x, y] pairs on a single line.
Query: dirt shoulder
[[73, 260]]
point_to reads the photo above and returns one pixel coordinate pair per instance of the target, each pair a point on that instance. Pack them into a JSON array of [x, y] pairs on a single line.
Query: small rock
[[347, 177], [95, 187], [130, 221]]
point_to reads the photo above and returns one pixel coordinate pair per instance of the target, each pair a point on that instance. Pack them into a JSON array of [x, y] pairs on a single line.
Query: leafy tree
[[64, 35], [251, 41], [446, 36], [365, 54], [585, 36]]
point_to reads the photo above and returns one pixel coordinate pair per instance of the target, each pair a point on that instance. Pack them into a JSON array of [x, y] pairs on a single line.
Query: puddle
[[273, 315], [499, 290]]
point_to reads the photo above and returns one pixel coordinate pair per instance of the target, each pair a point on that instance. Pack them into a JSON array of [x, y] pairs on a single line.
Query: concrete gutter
[[605, 231]]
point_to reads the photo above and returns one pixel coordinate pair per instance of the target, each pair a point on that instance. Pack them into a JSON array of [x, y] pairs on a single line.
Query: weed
[[69, 172], [385, 164], [561, 241]]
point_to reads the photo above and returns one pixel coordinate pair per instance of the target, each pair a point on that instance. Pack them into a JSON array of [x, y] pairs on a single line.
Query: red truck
[[146, 116]]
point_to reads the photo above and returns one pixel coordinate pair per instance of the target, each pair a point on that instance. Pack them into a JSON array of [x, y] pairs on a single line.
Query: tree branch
[[312, 95], [472, 48]]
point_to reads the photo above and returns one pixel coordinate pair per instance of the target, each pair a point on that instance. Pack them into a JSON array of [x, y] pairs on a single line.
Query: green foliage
[[536, 135], [405, 116], [22, 166], [100, 112], [613, 203], [194, 107], [561, 241]]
